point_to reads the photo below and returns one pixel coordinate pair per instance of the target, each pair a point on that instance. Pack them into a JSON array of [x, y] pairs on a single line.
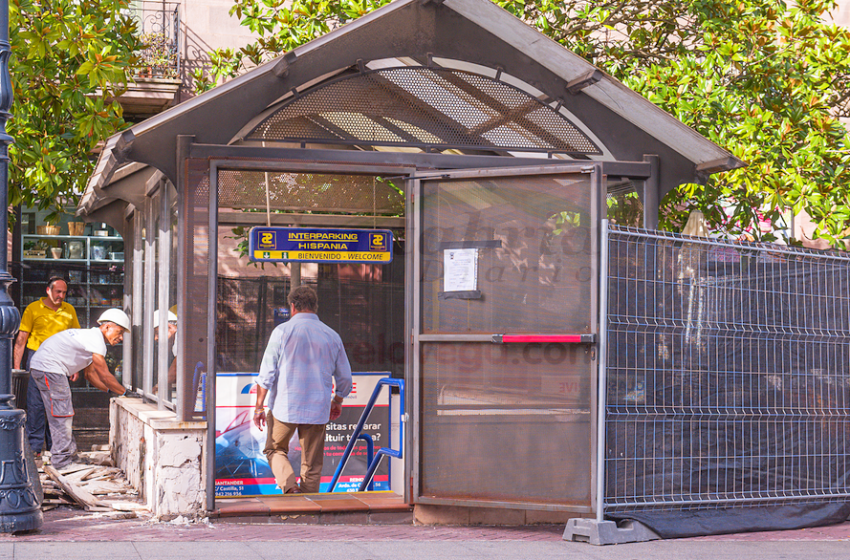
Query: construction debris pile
[[93, 486]]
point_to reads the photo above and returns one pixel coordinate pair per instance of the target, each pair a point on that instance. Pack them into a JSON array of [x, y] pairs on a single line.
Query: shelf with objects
[[92, 265]]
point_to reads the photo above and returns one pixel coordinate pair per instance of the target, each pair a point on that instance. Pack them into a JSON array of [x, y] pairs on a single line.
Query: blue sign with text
[[281, 244]]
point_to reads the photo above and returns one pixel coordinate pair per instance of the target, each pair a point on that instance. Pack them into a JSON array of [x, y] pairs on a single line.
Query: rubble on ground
[[92, 484]]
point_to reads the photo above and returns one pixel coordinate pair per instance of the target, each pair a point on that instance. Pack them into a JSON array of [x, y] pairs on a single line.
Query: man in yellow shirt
[[42, 319]]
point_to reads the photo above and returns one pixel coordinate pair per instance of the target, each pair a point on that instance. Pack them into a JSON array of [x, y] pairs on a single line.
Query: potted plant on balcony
[[158, 58]]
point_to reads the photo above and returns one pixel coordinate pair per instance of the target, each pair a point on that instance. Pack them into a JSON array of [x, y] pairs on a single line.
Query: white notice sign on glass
[[460, 270]]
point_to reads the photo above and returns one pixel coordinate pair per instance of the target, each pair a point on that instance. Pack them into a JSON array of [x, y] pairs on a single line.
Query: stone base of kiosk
[[161, 457], [426, 514]]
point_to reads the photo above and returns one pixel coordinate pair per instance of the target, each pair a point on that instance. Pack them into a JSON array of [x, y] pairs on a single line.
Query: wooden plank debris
[[127, 506], [94, 484], [77, 475], [79, 495], [101, 487]]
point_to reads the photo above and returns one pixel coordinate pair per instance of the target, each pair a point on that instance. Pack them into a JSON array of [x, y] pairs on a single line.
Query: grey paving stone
[[197, 550], [75, 551], [313, 550]]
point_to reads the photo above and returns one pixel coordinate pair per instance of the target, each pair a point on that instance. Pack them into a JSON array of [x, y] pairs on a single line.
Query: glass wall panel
[[138, 271], [193, 296], [506, 422], [532, 248], [172, 294]]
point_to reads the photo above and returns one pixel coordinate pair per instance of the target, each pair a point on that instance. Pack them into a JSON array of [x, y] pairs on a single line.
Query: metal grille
[[158, 26], [424, 107], [304, 192], [728, 373]]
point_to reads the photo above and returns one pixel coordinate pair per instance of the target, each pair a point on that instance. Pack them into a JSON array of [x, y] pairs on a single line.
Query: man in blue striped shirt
[[302, 359]]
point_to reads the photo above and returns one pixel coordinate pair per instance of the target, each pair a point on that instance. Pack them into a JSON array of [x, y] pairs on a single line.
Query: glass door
[[504, 330]]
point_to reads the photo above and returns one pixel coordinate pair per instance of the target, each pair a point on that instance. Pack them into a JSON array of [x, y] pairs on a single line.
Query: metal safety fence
[[727, 375]]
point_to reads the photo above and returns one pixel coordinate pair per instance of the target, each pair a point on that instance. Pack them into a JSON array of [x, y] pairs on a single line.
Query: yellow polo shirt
[[42, 322]]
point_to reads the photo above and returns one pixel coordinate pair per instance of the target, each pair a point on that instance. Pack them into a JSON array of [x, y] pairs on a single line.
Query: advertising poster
[[241, 469]]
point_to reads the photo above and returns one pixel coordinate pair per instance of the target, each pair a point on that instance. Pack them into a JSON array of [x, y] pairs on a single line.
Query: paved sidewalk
[[74, 535]]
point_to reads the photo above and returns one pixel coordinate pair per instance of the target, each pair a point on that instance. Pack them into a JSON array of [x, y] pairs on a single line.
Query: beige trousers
[[312, 438]]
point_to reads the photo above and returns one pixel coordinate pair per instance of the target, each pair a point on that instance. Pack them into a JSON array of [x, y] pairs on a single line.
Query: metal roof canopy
[[476, 33]]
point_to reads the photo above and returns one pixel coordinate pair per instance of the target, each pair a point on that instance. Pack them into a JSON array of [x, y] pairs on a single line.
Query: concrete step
[[380, 508]]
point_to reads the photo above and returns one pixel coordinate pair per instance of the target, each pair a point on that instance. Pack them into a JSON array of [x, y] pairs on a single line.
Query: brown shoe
[[293, 490]]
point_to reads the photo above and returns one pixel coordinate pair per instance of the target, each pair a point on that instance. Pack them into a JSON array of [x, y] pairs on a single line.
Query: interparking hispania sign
[[282, 244]]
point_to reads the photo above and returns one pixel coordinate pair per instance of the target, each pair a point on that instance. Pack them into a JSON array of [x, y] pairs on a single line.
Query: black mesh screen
[[426, 107], [367, 311], [506, 423], [309, 192], [363, 303]]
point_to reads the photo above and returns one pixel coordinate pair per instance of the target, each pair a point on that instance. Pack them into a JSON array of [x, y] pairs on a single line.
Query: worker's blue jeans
[[38, 432]]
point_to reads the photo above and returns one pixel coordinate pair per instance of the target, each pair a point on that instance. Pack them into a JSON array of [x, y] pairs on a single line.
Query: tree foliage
[[766, 79], [70, 60], [280, 26]]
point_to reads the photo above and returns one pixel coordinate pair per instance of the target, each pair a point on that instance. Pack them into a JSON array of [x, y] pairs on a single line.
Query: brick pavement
[[72, 525], [67, 524]]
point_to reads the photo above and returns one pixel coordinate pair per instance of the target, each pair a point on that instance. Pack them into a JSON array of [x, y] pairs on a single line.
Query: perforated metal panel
[[196, 288], [535, 275], [305, 192], [424, 107], [507, 423]]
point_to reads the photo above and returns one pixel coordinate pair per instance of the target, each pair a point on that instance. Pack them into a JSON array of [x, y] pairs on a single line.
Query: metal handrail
[[373, 461]]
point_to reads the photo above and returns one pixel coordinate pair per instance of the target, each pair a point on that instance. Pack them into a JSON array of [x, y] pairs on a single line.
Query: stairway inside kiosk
[[364, 303]]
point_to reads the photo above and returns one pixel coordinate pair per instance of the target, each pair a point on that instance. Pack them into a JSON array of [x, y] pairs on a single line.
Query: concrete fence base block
[[607, 532]]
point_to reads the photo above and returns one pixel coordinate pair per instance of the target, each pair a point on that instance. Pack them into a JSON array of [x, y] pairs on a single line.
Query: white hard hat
[[115, 316], [171, 318]]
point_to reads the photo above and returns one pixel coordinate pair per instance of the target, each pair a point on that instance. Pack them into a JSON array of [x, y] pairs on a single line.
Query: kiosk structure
[[491, 153]]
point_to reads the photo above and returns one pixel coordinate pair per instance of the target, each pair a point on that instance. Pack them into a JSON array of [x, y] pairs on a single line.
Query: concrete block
[[162, 459], [538, 517], [607, 532], [178, 491]]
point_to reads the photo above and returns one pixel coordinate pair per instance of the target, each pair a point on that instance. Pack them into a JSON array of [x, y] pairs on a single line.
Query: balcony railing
[[158, 26]]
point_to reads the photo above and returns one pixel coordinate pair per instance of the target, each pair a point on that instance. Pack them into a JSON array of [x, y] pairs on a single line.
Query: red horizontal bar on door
[[574, 338]]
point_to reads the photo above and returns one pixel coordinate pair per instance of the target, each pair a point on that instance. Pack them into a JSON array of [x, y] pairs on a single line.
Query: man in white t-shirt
[[60, 358]]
